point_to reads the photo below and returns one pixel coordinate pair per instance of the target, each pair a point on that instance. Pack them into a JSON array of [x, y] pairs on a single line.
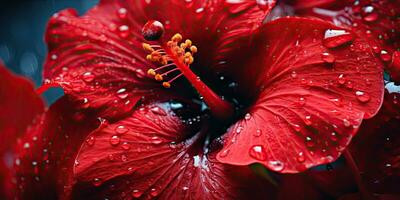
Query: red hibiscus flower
[[289, 94]]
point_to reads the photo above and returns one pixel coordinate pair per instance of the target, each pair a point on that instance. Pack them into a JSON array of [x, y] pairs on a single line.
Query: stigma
[[180, 49]]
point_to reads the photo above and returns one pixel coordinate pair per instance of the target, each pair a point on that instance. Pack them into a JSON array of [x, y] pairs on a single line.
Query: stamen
[[178, 56]]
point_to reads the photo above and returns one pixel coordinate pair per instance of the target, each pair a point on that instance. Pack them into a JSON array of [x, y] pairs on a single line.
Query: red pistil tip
[[153, 30]]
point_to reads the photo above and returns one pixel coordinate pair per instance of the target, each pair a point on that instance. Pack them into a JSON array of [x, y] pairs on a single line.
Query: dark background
[[22, 27]]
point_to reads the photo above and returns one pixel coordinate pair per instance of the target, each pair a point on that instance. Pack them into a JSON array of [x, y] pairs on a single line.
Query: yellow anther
[[158, 77], [193, 49], [189, 60], [149, 57], [151, 72], [170, 43], [166, 84], [188, 54], [188, 43], [177, 37], [147, 47], [183, 45]]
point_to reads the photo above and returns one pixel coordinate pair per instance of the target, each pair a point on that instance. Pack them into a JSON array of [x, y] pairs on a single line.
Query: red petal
[[308, 109], [19, 104], [45, 155], [98, 58], [376, 149], [376, 21], [146, 155]]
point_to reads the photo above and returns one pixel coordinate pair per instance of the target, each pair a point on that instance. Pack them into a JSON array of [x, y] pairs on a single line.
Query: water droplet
[[346, 123], [122, 12], [309, 142], [302, 101], [385, 56], [88, 77], [121, 129], [276, 165], [90, 140], [123, 31], [96, 182], [294, 74], [239, 129], [336, 38], [307, 120], [153, 192], [153, 30], [136, 193], [156, 140], [334, 136], [328, 58], [125, 145], [54, 56], [247, 116], [258, 133], [158, 111], [115, 140], [362, 96], [341, 79], [122, 94], [369, 14], [224, 153], [185, 188], [258, 152], [300, 157]]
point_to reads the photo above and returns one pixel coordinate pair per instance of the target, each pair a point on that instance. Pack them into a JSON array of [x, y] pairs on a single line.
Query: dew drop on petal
[[156, 140], [307, 120], [96, 182], [90, 141], [276, 165], [336, 38], [153, 30], [115, 140], [125, 146], [309, 142], [385, 56], [369, 14], [258, 152], [333, 136], [247, 116], [346, 123], [258, 133], [328, 58], [341, 80], [122, 12], [136, 193], [362, 96], [121, 129], [153, 192], [88, 77], [300, 157], [123, 31]]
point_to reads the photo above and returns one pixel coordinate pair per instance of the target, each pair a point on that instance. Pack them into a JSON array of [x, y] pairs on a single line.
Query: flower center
[[174, 57]]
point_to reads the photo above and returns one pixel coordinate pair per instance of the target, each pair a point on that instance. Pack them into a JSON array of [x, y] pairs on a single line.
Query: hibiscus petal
[[146, 156], [379, 139], [19, 104], [309, 106], [44, 156], [98, 58]]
